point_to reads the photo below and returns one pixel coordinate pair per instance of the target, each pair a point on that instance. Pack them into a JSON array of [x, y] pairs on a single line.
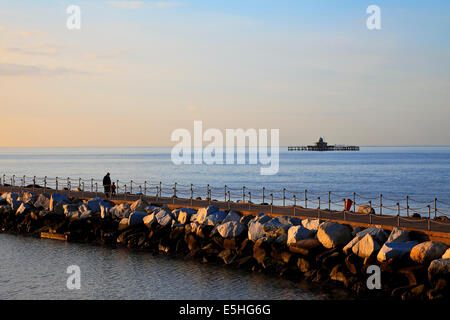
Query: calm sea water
[[36, 269]]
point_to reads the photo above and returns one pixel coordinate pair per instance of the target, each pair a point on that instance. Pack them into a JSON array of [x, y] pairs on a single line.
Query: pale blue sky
[[137, 70]]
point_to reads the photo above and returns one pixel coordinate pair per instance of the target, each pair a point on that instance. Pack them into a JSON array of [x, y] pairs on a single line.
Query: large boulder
[[139, 205], [202, 213], [94, 204], [365, 209], [231, 229], [349, 246], [379, 234], [120, 211], [42, 202], [366, 247], [398, 235], [27, 197], [105, 208], [215, 218], [232, 216], [297, 233], [333, 235], [57, 201], [163, 218], [439, 268], [255, 231], [149, 220], [427, 251], [136, 217], [276, 227], [185, 214], [69, 207], [23, 208], [261, 218], [395, 250], [123, 224], [311, 224]]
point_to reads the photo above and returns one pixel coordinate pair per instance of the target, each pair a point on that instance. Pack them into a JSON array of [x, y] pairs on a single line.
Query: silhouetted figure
[[107, 184], [113, 189]]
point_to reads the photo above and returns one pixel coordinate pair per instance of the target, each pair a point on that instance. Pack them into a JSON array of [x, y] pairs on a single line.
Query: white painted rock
[[163, 218], [311, 224], [427, 251], [398, 235], [379, 234], [185, 214], [120, 211], [231, 229], [395, 250], [297, 233], [333, 235], [42, 202], [366, 247], [136, 217], [349, 246], [446, 254], [139, 205], [232, 216], [255, 231]]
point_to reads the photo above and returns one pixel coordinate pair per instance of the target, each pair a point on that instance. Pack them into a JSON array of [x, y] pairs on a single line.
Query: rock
[[73, 215], [366, 247], [232, 216], [149, 220], [311, 224], [185, 214], [297, 233], [261, 218], [303, 265], [12, 199], [427, 251], [395, 250], [246, 219], [120, 211], [333, 235], [356, 230], [94, 204], [305, 247], [214, 218], [105, 208], [202, 213], [231, 229], [255, 231], [377, 233], [398, 235], [163, 218], [42, 202], [438, 268], [23, 208], [139, 205], [83, 208], [365, 209], [27, 197], [348, 247], [86, 214], [136, 217], [56, 202], [446, 254], [338, 274], [69, 208], [123, 224], [274, 227]]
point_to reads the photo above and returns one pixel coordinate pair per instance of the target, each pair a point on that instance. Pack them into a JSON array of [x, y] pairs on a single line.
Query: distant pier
[[321, 145]]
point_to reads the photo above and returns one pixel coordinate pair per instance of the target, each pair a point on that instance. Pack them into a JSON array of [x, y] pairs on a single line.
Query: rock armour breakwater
[[329, 253]]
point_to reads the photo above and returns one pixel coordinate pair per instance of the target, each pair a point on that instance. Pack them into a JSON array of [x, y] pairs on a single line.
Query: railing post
[[192, 192], [24, 181], [354, 202], [435, 208], [398, 214], [13, 180], [4, 176], [229, 198], [68, 183], [295, 203], [271, 203], [329, 200], [381, 204], [79, 183], [249, 199], [145, 188], [284, 197], [125, 190], [96, 189], [34, 182], [407, 206], [306, 199], [243, 193], [318, 199], [263, 195], [92, 185], [82, 184], [56, 181], [157, 194], [131, 186], [45, 182], [175, 190], [370, 205], [207, 191], [140, 191], [429, 217], [225, 193]]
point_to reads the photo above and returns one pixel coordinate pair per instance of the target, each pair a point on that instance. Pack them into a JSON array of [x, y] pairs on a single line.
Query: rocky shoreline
[[324, 252]]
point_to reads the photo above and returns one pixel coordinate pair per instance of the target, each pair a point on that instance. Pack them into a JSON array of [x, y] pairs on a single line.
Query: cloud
[[192, 108], [140, 4], [30, 51], [12, 69]]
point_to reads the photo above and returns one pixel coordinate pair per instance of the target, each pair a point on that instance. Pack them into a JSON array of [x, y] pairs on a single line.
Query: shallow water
[[33, 268]]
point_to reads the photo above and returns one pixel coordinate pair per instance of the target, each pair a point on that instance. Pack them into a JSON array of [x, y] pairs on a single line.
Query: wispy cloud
[[140, 4], [30, 51], [12, 69]]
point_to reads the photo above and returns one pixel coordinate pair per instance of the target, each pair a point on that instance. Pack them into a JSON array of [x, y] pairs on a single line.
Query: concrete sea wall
[[329, 253]]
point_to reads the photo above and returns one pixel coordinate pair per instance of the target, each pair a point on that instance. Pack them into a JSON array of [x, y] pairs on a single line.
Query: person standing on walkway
[[107, 184]]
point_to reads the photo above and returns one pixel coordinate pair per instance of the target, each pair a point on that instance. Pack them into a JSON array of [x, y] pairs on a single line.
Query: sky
[[138, 70]]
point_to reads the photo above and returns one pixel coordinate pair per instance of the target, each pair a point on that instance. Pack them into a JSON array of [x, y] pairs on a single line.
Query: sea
[[37, 269]]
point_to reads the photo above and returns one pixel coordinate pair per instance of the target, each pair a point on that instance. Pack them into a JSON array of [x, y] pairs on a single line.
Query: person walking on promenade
[[113, 189], [107, 184]]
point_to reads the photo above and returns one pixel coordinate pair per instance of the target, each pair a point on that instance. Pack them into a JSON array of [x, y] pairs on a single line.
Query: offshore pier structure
[[321, 145]]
